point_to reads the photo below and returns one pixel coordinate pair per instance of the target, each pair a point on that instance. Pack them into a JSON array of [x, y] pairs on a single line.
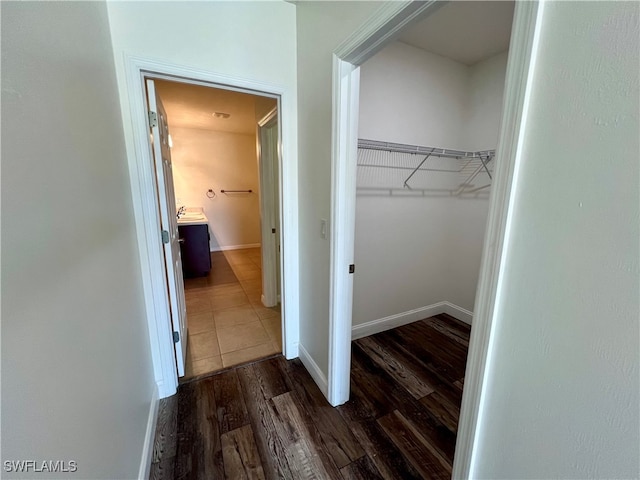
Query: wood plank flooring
[[268, 420]]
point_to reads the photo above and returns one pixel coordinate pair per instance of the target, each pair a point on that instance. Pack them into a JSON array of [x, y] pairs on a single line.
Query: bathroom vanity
[[194, 244]]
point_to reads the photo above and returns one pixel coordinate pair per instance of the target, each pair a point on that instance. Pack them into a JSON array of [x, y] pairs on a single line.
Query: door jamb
[[144, 192], [383, 27], [364, 43], [266, 190]]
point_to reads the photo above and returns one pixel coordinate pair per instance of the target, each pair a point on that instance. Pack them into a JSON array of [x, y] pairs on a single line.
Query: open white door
[[269, 206], [168, 222]]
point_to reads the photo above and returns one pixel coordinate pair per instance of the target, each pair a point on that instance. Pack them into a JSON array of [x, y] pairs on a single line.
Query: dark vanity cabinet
[[194, 249]]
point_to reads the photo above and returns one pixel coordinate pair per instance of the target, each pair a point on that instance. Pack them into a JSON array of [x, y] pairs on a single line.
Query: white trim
[[343, 181], [150, 436], [384, 25], [235, 247], [460, 313], [268, 117], [144, 193], [523, 52], [313, 369], [392, 321], [382, 28]]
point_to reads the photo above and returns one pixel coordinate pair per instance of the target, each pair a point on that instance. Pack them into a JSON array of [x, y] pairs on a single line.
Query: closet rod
[[393, 167], [420, 150], [423, 192]]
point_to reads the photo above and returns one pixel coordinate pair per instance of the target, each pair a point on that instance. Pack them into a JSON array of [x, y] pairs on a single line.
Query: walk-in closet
[[430, 109]]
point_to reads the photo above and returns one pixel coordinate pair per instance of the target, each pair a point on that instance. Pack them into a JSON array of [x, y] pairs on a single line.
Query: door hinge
[[153, 119], [273, 230], [176, 337], [352, 268], [165, 236]]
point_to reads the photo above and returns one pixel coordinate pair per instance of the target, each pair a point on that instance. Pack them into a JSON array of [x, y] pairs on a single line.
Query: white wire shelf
[[401, 170]]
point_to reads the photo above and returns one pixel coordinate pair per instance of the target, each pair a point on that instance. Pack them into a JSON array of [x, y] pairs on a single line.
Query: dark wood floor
[[269, 420]]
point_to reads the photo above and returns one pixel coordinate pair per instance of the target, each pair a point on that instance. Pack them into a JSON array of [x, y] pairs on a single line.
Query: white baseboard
[[392, 321], [399, 319], [149, 437], [313, 369], [460, 313], [235, 247]]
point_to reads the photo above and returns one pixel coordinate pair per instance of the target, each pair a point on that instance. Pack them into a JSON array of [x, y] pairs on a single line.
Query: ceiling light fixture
[[221, 115]]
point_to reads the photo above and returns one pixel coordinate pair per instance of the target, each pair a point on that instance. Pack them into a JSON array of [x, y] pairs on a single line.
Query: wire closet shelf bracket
[[400, 169]]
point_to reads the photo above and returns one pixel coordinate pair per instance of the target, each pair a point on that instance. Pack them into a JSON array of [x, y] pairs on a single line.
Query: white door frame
[[144, 196], [383, 27], [364, 43], [267, 213], [168, 222]]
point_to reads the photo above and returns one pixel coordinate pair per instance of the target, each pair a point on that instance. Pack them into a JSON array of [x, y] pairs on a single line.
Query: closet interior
[[430, 110], [423, 166]]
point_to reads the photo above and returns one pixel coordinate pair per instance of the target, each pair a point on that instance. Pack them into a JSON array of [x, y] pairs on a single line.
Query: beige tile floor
[[227, 323]]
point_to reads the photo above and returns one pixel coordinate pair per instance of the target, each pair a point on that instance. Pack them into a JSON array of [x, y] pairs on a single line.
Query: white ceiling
[[467, 32], [192, 106]]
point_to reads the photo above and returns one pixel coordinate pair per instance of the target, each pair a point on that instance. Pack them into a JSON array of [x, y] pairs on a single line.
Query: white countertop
[[193, 217]]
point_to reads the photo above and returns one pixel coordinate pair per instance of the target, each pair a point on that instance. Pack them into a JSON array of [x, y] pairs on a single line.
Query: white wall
[[234, 41], [466, 226], [77, 378], [401, 247], [486, 88], [399, 255], [562, 391], [321, 27], [408, 95], [413, 252], [468, 216], [253, 40], [205, 159]]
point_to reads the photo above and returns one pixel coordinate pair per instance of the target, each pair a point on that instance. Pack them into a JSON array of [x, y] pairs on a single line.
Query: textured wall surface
[[77, 379], [563, 387]]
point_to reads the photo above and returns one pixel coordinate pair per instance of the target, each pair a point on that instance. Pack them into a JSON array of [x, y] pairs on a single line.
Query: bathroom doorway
[[225, 202]]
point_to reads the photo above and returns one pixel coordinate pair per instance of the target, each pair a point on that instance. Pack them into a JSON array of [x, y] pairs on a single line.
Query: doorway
[[145, 201], [219, 186], [363, 44]]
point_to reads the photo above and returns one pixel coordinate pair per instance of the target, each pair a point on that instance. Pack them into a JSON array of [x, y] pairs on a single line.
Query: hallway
[[268, 419], [227, 322]]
